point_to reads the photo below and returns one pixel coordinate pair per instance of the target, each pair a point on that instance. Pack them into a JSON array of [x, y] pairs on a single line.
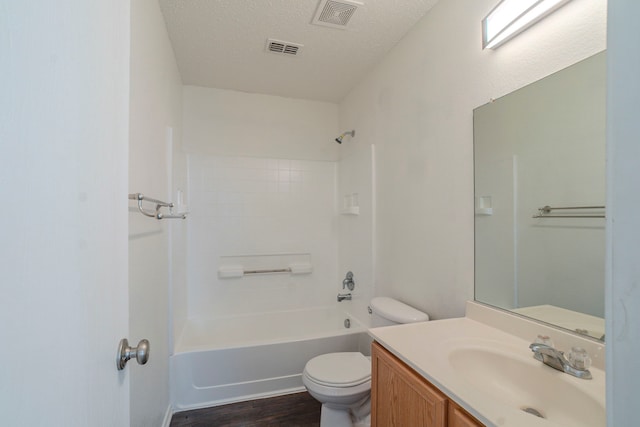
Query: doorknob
[[125, 352]]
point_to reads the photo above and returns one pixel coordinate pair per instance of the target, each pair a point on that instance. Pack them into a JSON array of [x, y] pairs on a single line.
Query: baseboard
[[237, 399], [167, 417]]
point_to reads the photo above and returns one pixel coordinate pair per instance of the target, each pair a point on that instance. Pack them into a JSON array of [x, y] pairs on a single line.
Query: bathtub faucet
[[344, 296], [348, 281]]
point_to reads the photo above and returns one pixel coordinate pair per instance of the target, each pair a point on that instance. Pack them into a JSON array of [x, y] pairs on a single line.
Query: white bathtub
[[232, 359]]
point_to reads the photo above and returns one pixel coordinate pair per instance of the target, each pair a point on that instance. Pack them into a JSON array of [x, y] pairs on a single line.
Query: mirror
[[539, 159]]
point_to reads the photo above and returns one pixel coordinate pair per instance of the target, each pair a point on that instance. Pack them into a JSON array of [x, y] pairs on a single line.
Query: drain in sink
[[532, 411]]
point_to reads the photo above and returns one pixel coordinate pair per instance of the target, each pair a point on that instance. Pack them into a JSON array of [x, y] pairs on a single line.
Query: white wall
[[262, 181], [156, 96], [623, 227], [63, 179], [416, 108], [230, 123]]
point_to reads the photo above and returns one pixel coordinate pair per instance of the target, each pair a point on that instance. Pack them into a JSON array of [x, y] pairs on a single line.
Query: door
[[155, 110], [148, 284], [63, 236]]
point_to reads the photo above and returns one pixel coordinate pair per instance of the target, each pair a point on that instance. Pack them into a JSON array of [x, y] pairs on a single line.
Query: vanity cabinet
[[400, 397], [458, 417]]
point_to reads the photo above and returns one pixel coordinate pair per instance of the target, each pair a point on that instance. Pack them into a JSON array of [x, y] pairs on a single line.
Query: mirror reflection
[[539, 158]]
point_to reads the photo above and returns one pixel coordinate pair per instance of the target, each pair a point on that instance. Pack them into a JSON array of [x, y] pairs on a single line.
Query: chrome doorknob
[[125, 352]]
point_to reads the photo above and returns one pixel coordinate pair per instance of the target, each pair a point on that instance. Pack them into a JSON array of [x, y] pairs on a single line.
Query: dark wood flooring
[[292, 410]]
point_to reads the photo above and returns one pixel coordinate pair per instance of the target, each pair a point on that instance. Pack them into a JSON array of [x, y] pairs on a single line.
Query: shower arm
[[351, 132]]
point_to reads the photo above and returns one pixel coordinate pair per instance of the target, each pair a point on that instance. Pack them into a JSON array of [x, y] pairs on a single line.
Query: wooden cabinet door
[[400, 397], [458, 417]]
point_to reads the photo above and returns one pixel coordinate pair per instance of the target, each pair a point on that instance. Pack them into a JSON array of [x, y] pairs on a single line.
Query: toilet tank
[[388, 311]]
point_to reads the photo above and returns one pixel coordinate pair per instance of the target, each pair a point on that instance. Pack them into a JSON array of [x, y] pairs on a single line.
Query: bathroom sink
[[516, 380], [483, 363]]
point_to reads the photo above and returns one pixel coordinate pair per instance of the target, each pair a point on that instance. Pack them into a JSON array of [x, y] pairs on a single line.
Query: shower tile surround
[[253, 206]]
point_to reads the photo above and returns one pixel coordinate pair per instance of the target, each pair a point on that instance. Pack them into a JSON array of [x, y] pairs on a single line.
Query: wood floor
[[292, 410]]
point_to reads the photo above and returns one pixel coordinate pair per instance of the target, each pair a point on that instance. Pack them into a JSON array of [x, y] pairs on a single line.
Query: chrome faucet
[[344, 296], [577, 364], [348, 281]]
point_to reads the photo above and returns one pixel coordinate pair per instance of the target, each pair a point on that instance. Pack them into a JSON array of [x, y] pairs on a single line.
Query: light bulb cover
[[511, 17]]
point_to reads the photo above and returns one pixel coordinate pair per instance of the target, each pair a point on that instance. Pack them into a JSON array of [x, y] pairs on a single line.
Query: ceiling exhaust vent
[[283, 48], [335, 14]]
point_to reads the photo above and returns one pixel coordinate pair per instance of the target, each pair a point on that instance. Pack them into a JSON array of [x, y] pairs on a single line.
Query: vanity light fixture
[[510, 17]]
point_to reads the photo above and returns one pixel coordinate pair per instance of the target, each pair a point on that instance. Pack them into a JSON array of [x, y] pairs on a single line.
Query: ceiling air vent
[[335, 14], [283, 48]]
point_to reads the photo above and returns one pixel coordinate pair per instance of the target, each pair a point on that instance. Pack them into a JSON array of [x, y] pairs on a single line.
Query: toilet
[[342, 381]]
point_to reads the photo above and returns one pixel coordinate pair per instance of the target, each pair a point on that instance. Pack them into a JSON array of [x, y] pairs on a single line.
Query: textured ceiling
[[221, 44]]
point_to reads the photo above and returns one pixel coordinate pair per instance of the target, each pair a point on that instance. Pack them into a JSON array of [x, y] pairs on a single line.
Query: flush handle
[[125, 353]]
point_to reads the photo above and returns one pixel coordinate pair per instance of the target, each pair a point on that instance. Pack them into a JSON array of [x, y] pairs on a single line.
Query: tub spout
[[344, 296]]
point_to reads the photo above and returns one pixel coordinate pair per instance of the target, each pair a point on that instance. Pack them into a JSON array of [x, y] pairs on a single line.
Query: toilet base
[[330, 417], [365, 422], [357, 416]]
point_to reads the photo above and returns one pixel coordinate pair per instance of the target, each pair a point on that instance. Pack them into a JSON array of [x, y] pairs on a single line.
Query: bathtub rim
[[357, 326]]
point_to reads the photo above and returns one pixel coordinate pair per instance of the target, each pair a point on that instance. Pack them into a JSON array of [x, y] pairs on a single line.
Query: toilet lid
[[339, 369]]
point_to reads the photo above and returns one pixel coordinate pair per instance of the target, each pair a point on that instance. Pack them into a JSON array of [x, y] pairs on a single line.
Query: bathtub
[[232, 359]]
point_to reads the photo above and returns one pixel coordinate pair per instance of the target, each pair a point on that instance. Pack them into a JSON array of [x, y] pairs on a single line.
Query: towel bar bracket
[[139, 197]]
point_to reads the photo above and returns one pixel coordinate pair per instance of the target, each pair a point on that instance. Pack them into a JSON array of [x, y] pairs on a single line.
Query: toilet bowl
[[342, 381]]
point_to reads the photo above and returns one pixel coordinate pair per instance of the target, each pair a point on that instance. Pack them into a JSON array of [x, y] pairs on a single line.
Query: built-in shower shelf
[[350, 204], [484, 211], [247, 265], [354, 210]]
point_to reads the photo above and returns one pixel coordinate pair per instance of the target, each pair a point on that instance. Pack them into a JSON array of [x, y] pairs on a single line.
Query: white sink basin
[[522, 382]]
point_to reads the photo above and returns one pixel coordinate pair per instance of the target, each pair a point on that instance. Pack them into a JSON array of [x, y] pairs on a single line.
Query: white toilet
[[342, 381]]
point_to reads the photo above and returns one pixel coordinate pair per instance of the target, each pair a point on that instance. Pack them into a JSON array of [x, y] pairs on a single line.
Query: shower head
[[351, 132]]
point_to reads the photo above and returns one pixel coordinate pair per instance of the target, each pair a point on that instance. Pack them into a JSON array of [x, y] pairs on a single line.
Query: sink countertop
[[426, 348]]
